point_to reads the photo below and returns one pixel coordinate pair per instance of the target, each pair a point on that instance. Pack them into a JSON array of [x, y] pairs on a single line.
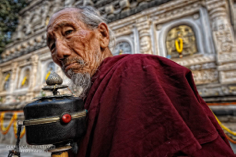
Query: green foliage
[[9, 10]]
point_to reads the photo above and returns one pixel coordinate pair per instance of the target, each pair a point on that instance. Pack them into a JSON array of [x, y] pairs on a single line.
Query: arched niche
[[181, 41], [6, 81], [123, 46], [162, 50], [24, 80]]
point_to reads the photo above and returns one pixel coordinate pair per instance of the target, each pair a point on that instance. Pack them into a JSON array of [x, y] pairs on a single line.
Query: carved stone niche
[[181, 40], [5, 84], [24, 79]]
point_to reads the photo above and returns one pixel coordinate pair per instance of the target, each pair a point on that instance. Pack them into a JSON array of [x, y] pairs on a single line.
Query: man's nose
[[63, 50]]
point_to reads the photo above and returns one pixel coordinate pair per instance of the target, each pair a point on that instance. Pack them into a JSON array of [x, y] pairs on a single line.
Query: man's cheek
[[54, 58]]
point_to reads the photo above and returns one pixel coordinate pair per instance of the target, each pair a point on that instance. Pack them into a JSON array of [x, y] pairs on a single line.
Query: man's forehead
[[63, 16]]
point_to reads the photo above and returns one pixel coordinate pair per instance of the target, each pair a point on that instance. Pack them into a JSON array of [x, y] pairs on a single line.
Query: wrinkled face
[[72, 44]]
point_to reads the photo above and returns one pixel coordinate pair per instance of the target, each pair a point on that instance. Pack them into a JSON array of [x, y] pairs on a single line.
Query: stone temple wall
[[205, 28]]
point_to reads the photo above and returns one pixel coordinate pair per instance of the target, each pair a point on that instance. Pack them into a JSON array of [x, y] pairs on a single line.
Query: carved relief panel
[[205, 76], [181, 41]]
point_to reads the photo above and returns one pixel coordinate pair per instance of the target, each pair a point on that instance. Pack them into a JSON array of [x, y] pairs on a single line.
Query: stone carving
[[222, 31], [124, 4], [203, 66], [228, 76], [56, 5], [109, 9], [205, 76], [144, 36], [226, 57], [222, 90], [181, 42], [69, 3], [142, 2], [196, 59], [14, 70], [224, 41], [36, 18], [27, 24], [164, 13], [87, 2], [33, 77], [45, 10], [123, 30], [230, 66], [145, 44]]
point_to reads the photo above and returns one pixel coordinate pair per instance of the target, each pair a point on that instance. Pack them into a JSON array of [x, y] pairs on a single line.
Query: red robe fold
[[145, 105]]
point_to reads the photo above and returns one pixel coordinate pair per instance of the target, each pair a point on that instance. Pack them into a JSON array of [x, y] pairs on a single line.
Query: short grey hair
[[92, 18]]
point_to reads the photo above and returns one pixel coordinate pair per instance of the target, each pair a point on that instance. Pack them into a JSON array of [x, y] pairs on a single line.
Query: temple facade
[[197, 34]]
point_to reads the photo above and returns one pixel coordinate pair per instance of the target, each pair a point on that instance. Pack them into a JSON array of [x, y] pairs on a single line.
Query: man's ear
[[104, 35]]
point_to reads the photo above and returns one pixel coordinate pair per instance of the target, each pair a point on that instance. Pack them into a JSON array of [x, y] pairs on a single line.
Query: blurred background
[[197, 34]]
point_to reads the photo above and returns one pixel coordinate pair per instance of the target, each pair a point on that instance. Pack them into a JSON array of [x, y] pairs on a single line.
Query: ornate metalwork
[[54, 79], [54, 82], [52, 119], [181, 42]]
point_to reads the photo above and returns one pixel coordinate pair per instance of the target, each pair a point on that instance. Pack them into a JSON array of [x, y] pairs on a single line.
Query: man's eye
[[68, 32], [53, 46]]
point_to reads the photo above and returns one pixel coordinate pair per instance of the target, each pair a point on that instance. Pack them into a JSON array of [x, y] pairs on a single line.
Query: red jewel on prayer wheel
[[66, 118]]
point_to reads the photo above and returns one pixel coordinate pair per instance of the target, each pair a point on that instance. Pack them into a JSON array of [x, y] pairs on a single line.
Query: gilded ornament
[[54, 79], [181, 42]]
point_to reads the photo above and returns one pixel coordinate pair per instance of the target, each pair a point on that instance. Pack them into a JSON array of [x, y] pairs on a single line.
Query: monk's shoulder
[[140, 60]]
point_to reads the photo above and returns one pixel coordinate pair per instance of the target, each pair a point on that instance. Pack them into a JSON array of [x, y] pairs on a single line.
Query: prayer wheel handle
[[60, 150]]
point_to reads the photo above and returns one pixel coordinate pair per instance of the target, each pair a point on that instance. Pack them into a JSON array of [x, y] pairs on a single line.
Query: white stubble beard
[[80, 82]]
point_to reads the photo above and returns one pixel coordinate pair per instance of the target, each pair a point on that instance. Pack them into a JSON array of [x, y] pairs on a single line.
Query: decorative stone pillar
[[222, 32], [14, 66], [224, 40], [33, 77], [143, 26], [13, 74]]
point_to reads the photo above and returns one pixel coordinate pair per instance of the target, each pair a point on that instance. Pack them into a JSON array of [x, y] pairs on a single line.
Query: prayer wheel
[[55, 119]]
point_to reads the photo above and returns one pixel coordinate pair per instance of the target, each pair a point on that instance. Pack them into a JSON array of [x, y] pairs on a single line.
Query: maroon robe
[[146, 105]]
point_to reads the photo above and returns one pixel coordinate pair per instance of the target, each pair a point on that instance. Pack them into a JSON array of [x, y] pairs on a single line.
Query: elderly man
[[138, 105]]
